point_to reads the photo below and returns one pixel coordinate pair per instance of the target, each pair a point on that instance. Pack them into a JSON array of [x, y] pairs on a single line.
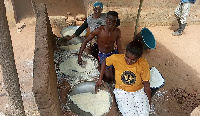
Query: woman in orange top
[[132, 75]]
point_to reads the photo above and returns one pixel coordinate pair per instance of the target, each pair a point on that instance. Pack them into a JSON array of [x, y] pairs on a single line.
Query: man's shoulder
[[102, 27], [97, 30], [118, 31]]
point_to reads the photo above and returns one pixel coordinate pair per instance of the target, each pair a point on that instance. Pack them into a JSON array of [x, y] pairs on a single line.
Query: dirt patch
[[188, 99]]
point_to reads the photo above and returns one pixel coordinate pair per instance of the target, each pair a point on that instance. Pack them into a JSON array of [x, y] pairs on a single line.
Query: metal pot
[[84, 87], [67, 32], [73, 41], [70, 30]]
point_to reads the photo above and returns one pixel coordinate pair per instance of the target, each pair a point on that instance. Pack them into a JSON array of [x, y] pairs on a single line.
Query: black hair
[[135, 48], [113, 13]]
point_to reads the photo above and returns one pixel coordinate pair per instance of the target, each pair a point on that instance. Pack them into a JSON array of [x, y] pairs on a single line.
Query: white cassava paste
[[78, 73], [156, 79], [71, 32], [97, 104], [71, 47]]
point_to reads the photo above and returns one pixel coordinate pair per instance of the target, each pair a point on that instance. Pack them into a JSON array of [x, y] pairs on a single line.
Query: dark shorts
[[102, 56]]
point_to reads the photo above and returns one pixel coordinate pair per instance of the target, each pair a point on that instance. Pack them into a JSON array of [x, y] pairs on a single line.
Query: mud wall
[[23, 9], [10, 12], [154, 12], [44, 75]]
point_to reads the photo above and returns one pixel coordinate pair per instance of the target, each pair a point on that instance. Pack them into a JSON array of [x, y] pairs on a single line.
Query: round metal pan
[[70, 30], [83, 87]]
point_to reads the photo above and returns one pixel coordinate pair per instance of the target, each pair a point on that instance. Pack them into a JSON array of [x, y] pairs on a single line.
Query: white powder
[[70, 33], [156, 79], [97, 104], [1, 114], [76, 73], [75, 40]]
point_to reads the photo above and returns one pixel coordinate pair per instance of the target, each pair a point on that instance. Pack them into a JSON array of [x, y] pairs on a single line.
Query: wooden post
[[138, 16]]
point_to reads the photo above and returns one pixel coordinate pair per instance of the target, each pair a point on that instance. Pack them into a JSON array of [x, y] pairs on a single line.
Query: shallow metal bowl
[[73, 41], [84, 87], [71, 29]]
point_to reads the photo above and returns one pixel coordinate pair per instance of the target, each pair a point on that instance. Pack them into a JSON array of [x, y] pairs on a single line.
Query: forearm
[[119, 45], [147, 90], [83, 46], [103, 68], [74, 35], [81, 28]]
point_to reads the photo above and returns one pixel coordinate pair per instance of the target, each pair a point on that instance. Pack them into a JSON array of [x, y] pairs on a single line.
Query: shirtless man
[[106, 35]]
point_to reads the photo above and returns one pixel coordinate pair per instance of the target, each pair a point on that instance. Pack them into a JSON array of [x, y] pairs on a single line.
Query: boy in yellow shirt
[[132, 75]]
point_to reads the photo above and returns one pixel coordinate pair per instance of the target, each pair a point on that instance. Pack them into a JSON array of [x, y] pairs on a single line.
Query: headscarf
[[98, 4]]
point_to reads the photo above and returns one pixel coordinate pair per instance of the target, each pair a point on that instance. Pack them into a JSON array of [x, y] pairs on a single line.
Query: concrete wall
[[44, 75], [154, 12]]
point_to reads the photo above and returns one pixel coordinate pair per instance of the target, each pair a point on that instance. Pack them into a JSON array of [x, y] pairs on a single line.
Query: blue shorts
[[103, 56]]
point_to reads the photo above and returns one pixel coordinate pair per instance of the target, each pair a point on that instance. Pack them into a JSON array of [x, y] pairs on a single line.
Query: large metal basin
[[84, 87], [70, 30]]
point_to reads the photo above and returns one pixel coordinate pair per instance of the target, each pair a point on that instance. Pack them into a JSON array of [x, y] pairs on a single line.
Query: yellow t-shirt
[[129, 77]]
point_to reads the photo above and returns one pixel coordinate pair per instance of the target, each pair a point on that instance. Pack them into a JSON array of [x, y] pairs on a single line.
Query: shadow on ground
[[177, 75]]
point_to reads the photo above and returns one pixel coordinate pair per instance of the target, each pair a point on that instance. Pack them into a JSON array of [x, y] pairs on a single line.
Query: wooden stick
[[138, 16]]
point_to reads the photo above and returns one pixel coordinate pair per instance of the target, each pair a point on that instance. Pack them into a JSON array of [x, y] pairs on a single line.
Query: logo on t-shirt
[[128, 78]]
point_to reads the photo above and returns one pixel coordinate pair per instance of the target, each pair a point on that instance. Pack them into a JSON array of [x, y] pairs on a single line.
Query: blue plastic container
[[146, 36]]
